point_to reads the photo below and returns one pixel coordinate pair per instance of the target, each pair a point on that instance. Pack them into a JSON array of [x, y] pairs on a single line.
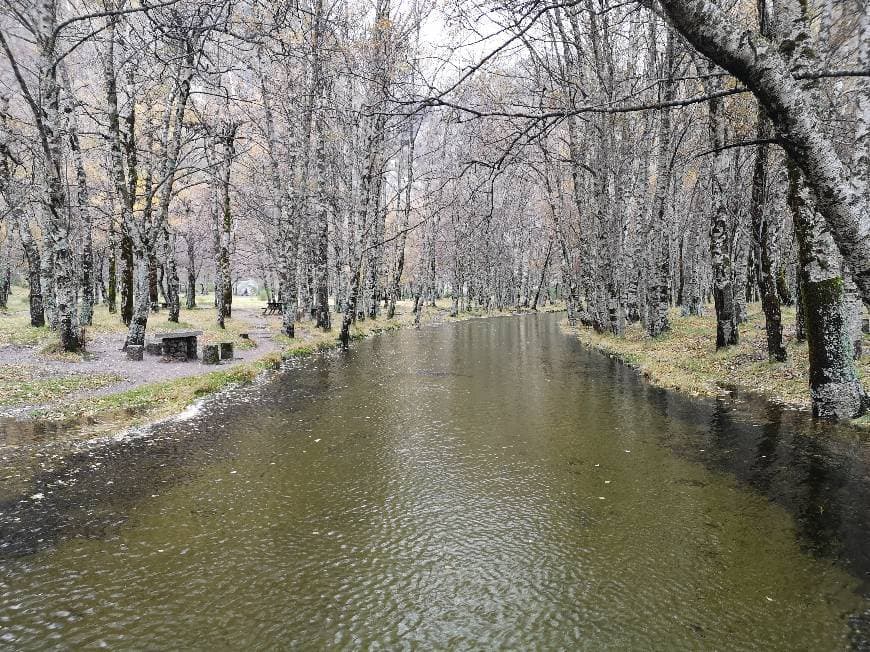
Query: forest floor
[[37, 379], [101, 391], [686, 359]]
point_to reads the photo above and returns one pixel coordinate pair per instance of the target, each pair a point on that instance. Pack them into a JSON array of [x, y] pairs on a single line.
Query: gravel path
[[106, 357]]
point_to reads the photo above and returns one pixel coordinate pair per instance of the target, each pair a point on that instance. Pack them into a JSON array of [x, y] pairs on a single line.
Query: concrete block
[[210, 354]]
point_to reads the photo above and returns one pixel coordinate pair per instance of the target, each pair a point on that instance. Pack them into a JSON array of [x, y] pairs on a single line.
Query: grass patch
[[686, 358], [20, 385], [15, 328], [161, 399]]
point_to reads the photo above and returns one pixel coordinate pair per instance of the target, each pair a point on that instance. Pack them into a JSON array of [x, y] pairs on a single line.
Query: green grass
[[15, 325], [157, 400], [686, 358], [20, 386]]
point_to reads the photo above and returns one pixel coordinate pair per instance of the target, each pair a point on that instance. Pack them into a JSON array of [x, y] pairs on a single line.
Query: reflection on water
[[489, 484]]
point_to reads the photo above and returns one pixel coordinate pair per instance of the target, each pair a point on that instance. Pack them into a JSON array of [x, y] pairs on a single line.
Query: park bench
[[179, 346], [273, 308]]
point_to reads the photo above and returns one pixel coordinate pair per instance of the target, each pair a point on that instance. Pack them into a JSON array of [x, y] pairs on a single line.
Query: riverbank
[[686, 360], [491, 445], [100, 391]]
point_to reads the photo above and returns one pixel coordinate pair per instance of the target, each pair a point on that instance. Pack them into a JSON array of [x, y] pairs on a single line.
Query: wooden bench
[[177, 346]]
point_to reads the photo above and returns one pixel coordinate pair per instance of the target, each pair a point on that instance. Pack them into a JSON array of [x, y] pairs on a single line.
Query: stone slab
[[176, 334]]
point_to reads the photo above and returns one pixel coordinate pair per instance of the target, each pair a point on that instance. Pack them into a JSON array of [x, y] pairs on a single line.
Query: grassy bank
[[158, 400], [686, 359], [26, 381], [162, 399], [20, 385]]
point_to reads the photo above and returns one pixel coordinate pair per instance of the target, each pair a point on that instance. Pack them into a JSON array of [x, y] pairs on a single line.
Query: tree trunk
[[350, 309], [761, 230], [62, 269], [139, 320], [190, 299], [854, 310], [834, 386], [658, 290], [111, 293], [323, 319], [34, 269], [172, 278], [83, 204], [127, 279], [224, 285], [5, 278], [66, 295], [543, 275], [153, 285], [403, 224], [724, 298], [46, 281]]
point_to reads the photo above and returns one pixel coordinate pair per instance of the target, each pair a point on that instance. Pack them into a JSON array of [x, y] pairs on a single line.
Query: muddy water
[[489, 484]]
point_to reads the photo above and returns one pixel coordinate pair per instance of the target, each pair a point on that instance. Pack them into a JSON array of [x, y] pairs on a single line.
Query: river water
[[489, 484]]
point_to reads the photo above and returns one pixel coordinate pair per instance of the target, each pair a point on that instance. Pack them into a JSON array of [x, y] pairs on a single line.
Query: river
[[488, 484]]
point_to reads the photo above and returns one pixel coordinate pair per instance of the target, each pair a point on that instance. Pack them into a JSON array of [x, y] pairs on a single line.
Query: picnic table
[[273, 308], [177, 346]]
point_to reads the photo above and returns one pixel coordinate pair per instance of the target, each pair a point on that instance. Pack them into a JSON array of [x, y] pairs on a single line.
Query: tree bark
[[658, 290], [127, 279], [765, 276], [34, 268], [224, 288], [727, 333], [190, 298], [83, 203], [834, 386], [404, 218], [534, 306], [172, 283], [139, 322], [323, 318]]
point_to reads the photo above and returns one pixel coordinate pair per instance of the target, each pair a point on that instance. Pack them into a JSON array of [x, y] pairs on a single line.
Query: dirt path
[[106, 357]]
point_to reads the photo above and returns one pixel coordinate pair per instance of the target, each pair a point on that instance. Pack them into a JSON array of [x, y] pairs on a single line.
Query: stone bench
[[216, 353], [175, 346], [211, 354]]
